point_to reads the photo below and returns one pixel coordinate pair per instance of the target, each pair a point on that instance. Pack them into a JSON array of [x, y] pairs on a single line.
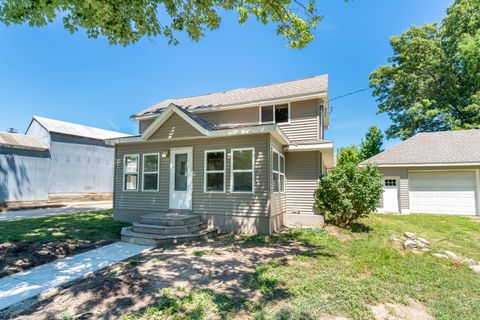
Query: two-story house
[[243, 160]]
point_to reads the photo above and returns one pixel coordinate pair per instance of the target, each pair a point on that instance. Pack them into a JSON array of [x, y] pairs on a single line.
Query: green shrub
[[348, 155], [348, 192]]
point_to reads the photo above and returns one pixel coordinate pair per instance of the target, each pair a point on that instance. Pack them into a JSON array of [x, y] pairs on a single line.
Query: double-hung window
[[278, 172], [279, 113], [243, 162], [215, 165], [151, 168], [130, 172]]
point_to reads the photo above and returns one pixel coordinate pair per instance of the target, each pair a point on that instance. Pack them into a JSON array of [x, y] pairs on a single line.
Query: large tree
[[372, 144], [126, 21], [433, 80]]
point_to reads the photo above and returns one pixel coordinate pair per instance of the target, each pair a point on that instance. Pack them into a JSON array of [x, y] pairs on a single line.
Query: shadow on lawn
[[358, 227]]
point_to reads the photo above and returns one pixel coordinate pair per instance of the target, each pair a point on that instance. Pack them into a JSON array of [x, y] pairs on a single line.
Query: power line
[[349, 94]]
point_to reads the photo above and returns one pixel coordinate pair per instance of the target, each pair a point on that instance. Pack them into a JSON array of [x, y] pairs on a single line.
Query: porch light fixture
[[165, 154]]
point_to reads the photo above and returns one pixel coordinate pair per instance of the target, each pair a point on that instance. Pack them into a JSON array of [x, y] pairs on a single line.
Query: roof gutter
[[272, 129], [309, 147], [409, 165]]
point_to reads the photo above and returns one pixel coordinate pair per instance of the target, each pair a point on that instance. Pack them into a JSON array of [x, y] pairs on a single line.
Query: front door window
[[181, 171]]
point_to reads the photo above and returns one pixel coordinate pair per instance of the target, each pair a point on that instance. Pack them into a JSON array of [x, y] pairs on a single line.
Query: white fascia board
[[409, 165], [309, 147], [112, 142], [246, 105]]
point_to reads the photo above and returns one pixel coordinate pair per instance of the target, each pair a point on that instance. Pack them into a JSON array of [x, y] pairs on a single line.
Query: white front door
[[181, 178], [390, 195]]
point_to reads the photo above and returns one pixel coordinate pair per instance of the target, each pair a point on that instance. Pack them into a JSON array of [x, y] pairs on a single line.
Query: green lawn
[[344, 275], [27, 243], [94, 225]]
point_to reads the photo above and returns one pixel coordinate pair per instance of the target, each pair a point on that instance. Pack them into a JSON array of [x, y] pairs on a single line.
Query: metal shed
[[55, 158]]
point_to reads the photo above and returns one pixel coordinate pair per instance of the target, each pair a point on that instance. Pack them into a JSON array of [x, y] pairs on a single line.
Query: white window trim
[[280, 155], [232, 171], [224, 171], [273, 110], [125, 173], [147, 172]]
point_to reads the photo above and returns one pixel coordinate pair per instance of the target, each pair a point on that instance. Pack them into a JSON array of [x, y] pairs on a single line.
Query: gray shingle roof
[[20, 141], [282, 90], [78, 130], [210, 126], [462, 146]]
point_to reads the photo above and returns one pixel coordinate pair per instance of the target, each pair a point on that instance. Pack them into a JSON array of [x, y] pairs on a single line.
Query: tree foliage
[[348, 155], [372, 144], [125, 21], [433, 80], [348, 193]]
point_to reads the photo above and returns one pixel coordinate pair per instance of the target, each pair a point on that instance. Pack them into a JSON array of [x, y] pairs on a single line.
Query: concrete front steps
[[159, 229]]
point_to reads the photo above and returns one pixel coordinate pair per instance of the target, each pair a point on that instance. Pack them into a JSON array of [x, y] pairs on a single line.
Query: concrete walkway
[[28, 284], [70, 207]]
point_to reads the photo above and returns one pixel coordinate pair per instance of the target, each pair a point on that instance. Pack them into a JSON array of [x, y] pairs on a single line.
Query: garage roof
[[445, 147]]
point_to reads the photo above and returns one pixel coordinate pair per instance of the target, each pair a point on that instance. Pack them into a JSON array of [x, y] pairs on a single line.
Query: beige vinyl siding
[[247, 212], [304, 121], [143, 125], [175, 127], [278, 200], [234, 116], [302, 173]]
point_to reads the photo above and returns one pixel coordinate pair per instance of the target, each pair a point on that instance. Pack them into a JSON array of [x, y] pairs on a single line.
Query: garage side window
[[215, 171], [390, 183], [150, 171], [243, 170], [130, 172], [278, 172]]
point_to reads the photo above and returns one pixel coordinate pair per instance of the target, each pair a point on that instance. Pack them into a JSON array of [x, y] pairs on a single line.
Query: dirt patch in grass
[[132, 287], [20, 256], [338, 233], [414, 310]]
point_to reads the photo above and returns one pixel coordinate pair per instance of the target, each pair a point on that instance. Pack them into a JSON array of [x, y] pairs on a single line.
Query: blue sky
[[52, 73]]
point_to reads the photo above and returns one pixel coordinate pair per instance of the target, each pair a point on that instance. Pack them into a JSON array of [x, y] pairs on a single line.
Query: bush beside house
[[348, 193]]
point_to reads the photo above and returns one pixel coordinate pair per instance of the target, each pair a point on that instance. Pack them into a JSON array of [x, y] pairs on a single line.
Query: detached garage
[[432, 173]]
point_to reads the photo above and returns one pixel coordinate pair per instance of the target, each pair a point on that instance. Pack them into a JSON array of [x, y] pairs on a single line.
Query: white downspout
[[477, 178]]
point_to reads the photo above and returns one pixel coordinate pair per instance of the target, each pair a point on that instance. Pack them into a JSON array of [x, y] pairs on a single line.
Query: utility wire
[[349, 94], [346, 95]]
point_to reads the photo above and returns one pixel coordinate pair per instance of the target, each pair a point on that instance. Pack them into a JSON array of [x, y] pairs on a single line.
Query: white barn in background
[[55, 160]]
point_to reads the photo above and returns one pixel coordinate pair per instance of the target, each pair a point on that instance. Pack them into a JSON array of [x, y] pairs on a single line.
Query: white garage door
[[442, 192]]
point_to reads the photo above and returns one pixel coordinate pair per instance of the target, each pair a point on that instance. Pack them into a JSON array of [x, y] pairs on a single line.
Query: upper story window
[[130, 172], [279, 113], [150, 171]]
